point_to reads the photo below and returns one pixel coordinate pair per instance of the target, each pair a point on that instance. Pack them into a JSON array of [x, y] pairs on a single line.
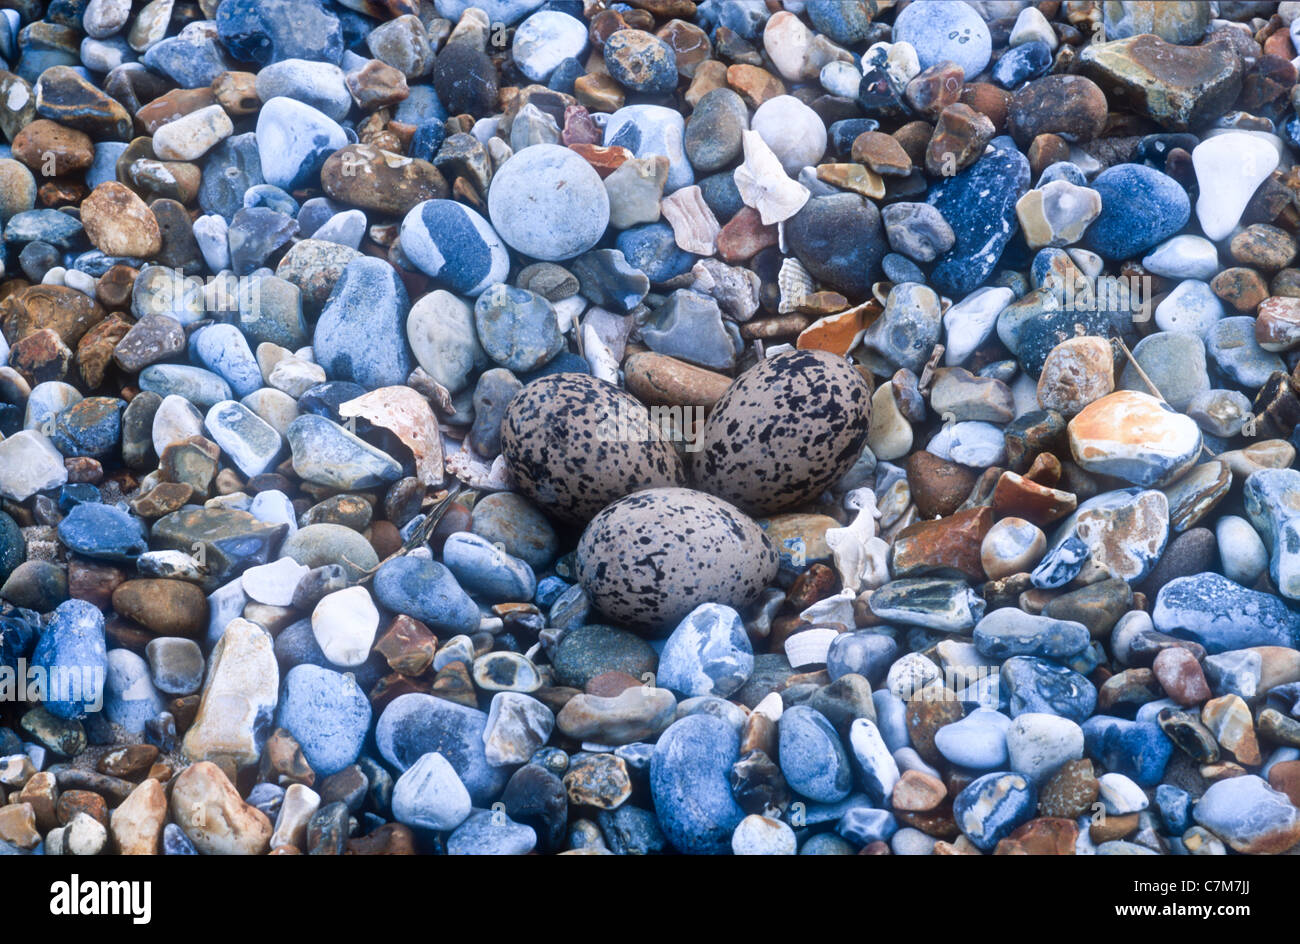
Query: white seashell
[[809, 647], [764, 184], [860, 499], [795, 282], [836, 609]]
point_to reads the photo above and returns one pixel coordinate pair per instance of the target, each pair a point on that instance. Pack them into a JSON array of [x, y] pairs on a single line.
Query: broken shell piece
[[795, 283], [406, 414], [694, 226], [764, 184], [809, 647], [836, 609]]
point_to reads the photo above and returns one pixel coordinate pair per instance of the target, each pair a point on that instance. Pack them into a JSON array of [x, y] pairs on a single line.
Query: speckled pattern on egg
[[784, 432], [570, 451], [650, 558]]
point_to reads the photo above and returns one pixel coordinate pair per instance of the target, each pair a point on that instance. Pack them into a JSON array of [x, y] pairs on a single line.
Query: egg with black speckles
[[785, 431], [573, 444], [650, 558]]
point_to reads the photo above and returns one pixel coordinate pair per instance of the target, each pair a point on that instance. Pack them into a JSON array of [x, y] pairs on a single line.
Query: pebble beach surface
[[807, 427]]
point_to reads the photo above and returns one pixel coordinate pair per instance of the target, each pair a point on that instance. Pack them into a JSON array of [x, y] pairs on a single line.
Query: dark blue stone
[[1174, 805], [863, 825], [427, 591], [50, 226], [266, 31], [229, 171], [175, 842], [846, 23], [324, 399], [1035, 685], [13, 548], [689, 785], [841, 241], [653, 249], [17, 637], [104, 532], [990, 808], [842, 134], [428, 137], [1136, 749], [255, 234], [189, 61], [75, 659], [1022, 63], [722, 195], [1222, 615], [980, 205], [1140, 207], [566, 73], [70, 496]]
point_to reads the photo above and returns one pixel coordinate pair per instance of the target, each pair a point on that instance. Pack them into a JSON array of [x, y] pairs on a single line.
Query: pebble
[[548, 203]]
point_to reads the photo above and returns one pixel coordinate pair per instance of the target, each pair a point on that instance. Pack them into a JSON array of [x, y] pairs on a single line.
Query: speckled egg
[[650, 558], [574, 444], [784, 432]]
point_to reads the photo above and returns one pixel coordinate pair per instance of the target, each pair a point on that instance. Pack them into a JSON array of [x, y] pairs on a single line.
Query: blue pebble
[[862, 826], [491, 833], [271, 197], [565, 74], [479, 566], [48, 226], [992, 806], [689, 784], [265, 31], [1022, 63], [549, 590], [980, 205], [1222, 615], [1174, 805], [327, 714], [1136, 749], [360, 335], [416, 724], [103, 532], [1036, 685], [452, 243], [74, 657], [230, 170], [653, 249], [223, 350], [1140, 207], [191, 61], [175, 842], [812, 757], [427, 591], [428, 137], [324, 399]]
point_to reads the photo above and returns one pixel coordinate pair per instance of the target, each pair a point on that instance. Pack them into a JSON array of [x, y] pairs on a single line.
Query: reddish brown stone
[[407, 645], [1243, 289], [1181, 676], [753, 84], [744, 235], [945, 546], [93, 581], [283, 762], [1017, 496], [389, 839], [938, 486], [72, 802]]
